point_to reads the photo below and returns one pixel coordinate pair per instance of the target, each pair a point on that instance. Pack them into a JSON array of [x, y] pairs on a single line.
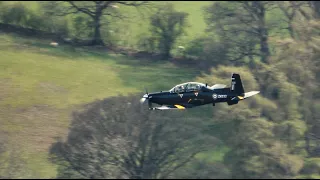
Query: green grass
[[41, 85]]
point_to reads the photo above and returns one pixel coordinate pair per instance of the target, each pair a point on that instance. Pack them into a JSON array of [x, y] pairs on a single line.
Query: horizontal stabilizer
[[218, 86], [251, 93]]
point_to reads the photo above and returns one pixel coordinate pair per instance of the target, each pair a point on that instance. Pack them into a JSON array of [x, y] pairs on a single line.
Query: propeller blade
[[142, 100]]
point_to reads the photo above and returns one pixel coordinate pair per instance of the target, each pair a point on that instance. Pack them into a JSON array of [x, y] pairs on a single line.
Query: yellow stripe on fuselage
[[179, 107]]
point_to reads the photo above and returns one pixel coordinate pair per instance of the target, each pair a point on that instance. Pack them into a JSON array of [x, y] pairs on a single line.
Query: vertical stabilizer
[[236, 85]]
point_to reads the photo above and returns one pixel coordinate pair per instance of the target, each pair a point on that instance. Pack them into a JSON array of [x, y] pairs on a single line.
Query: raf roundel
[[214, 96]]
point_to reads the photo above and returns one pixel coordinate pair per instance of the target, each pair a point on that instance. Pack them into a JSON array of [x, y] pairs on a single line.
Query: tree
[[117, 138], [264, 134], [243, 24], [290, 10], [167, 25], [94, 9]]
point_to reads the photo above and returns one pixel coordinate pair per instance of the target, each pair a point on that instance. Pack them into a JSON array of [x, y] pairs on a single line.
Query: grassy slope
[[40, 85]]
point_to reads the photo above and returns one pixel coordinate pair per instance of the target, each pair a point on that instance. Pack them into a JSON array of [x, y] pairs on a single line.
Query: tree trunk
[[316, 8], [263, 31], [166, 54], [167, 44], [97, 35]]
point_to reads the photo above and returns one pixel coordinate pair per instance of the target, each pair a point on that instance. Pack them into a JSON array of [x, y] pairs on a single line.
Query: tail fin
[[236, 85]]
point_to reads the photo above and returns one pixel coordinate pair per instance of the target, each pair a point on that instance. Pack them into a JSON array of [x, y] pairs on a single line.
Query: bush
[[14, 14], [35, 21], [19, 14], [147, 43], [82, 27], [209, 49]]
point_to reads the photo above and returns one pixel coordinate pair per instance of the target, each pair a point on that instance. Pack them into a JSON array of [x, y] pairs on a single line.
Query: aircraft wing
[[176, 106]]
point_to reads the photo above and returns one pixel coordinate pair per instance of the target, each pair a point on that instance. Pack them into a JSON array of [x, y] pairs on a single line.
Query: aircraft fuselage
[[191, 94], [196, 98]]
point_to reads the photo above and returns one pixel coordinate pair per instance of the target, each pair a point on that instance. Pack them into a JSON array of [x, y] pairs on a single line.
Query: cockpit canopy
[[187, 87]]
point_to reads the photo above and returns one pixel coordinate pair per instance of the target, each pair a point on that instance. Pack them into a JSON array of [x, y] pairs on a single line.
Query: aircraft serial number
[[215, 96]]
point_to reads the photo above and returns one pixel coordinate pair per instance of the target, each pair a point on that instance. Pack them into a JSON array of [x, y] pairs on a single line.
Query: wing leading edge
[[176, 106]]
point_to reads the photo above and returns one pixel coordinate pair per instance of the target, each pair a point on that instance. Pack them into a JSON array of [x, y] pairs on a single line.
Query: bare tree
[[290, 10], [243, 23], [94, 9], [117, 138]]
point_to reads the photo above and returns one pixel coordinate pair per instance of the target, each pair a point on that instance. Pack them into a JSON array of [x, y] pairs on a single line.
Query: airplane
[[193, 94]]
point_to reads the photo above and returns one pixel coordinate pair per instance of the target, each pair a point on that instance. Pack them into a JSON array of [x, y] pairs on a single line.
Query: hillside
[[40, 86], [43, 88]]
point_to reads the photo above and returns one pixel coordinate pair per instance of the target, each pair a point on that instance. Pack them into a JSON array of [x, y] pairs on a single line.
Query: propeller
[[142, 100], [145, 97]]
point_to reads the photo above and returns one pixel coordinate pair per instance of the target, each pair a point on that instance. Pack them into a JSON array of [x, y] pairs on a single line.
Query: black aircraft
[[192, 94]]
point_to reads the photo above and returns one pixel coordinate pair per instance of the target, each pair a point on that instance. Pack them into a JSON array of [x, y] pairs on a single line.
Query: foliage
[[117, 138], [167, 25], [95, 10], [209, 49], [19, 14], [82, 27], [148, 43], [252, 132], [16, 14], [243, 26]]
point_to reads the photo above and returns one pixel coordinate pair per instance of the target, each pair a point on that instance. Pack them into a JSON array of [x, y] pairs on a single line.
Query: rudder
[[236, 85]]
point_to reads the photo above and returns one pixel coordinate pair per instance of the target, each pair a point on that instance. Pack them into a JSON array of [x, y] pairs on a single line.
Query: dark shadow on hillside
[[146, 58]]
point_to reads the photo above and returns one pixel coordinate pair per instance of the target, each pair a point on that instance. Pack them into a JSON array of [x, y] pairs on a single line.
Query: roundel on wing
[[214, 96]]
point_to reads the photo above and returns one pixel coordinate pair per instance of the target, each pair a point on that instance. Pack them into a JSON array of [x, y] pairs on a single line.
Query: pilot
[[180, 89]]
